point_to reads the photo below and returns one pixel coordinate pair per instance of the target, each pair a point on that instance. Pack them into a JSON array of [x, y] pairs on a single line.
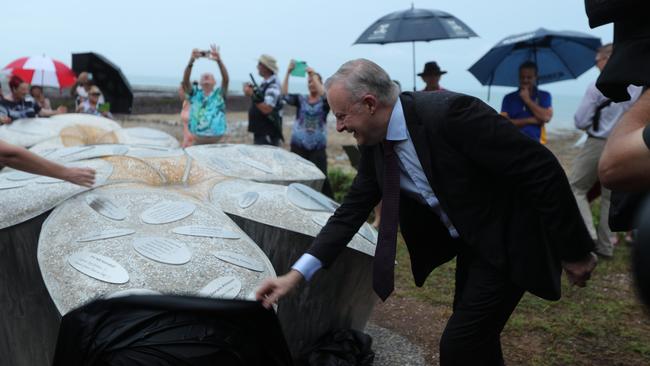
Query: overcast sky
[[153, 39]]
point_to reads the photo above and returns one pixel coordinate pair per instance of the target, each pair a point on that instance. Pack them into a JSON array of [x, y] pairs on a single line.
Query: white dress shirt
[[413, 182], [609, 115]]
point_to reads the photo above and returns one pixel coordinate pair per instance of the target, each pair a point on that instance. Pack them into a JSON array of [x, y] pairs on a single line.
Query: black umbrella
[[108, 77], [415, 25], [170, 330]]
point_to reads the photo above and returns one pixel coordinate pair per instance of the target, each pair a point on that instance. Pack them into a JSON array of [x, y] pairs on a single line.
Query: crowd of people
[[445, 166], [203, 118], [29, 101]]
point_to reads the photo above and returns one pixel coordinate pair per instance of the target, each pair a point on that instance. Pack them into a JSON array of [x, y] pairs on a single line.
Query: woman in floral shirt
[[309, 133]]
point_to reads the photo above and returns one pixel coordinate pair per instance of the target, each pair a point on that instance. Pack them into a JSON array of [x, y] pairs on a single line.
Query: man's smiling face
[[355, 116]]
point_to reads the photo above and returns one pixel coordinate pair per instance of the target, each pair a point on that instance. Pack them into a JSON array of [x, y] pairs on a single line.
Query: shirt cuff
[[307, 265]]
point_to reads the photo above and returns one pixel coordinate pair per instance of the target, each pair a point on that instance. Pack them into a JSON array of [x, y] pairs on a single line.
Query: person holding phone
[[309, 133], [93, 106], [207, 118]]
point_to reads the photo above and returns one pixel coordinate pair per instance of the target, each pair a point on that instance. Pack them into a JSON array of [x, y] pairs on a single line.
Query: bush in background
[[340, 181]]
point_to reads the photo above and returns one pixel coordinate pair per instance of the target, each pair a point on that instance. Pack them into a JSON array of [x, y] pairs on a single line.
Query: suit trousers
[[584, 174], [484, 299]]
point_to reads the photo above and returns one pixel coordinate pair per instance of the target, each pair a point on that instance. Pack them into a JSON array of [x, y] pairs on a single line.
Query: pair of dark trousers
[[484, 299], [319, 158], [264, 139]]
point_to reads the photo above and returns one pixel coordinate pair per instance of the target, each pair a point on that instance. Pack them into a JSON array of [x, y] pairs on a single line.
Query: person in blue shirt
[[528, 108]]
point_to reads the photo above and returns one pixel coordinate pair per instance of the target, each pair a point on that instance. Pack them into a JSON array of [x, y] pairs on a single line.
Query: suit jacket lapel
[[418, 135]]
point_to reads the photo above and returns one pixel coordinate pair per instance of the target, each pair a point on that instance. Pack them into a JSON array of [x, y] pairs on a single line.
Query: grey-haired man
[[462, 182]]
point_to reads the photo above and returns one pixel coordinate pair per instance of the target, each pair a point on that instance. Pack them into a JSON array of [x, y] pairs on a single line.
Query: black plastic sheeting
[[343, 347], [170, 331]]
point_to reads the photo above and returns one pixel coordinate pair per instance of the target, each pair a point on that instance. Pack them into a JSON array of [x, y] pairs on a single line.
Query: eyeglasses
[[95, 94]]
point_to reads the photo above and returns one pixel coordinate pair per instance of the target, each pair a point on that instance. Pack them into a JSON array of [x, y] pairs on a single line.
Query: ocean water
[[564, 106]]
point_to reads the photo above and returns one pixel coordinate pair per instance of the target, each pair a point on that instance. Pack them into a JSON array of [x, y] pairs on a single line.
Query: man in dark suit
[[462, 181]]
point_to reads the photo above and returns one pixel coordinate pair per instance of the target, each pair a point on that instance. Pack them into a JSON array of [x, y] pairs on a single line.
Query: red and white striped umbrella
[[43, 71]]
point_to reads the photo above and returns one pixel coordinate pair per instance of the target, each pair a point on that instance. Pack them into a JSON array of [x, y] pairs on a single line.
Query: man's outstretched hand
[[579, 272], [272, 289]]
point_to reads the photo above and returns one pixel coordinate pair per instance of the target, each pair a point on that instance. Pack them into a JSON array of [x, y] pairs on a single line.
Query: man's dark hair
[[528, 65]]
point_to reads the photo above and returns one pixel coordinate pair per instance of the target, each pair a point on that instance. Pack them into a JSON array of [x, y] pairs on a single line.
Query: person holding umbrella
[[431, 76], [528, 108], [16, 106]]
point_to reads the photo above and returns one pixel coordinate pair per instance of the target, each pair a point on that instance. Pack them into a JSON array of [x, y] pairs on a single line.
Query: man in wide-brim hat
[[264, 114], [431, 76]]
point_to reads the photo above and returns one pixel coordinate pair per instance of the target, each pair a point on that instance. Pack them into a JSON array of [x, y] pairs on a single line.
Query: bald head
[[83, 77], [207, 82], [360, 77]]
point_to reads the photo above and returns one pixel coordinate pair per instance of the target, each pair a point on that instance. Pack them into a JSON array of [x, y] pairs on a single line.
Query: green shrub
[[340, 181]]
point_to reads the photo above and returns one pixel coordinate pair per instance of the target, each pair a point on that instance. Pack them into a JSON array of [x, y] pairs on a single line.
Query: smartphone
[[300, 68], [104, 107]]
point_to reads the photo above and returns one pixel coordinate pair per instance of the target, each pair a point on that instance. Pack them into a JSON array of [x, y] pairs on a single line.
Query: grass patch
[[602, 324]]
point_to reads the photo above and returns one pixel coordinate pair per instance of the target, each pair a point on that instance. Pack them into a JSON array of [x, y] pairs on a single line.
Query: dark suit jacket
[[506, 194]]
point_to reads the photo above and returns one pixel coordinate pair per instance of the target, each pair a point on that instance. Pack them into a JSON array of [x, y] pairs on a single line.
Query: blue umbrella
[[558, 55], [415, 25]]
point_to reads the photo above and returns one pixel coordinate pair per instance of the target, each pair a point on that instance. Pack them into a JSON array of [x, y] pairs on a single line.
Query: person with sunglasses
[[92, 104]]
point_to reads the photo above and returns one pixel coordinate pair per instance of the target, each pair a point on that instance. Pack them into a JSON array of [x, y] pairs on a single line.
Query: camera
[[629, 61], [204, 53]]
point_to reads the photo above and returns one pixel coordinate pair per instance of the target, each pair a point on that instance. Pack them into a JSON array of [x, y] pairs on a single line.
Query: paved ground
[[392, 349]]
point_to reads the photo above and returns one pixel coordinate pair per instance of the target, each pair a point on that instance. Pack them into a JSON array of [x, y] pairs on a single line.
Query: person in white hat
[[265, 113]]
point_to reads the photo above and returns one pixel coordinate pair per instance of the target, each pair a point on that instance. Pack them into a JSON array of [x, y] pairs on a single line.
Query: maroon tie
[[384, 264]]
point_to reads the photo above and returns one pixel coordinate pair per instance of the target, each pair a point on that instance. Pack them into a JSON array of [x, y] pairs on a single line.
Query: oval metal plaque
[[12, 185], [146, 133], [19, 176], [163, 250], [167, 211], [67, 152], [220, 164], [99, 267], [321, 219], [369, 233], [308, 198], [258, 165], [227, 287], [132, 292], [247, 199], [240, 260], [49, 180], [105, 207], [106, 234], [206, 231]]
